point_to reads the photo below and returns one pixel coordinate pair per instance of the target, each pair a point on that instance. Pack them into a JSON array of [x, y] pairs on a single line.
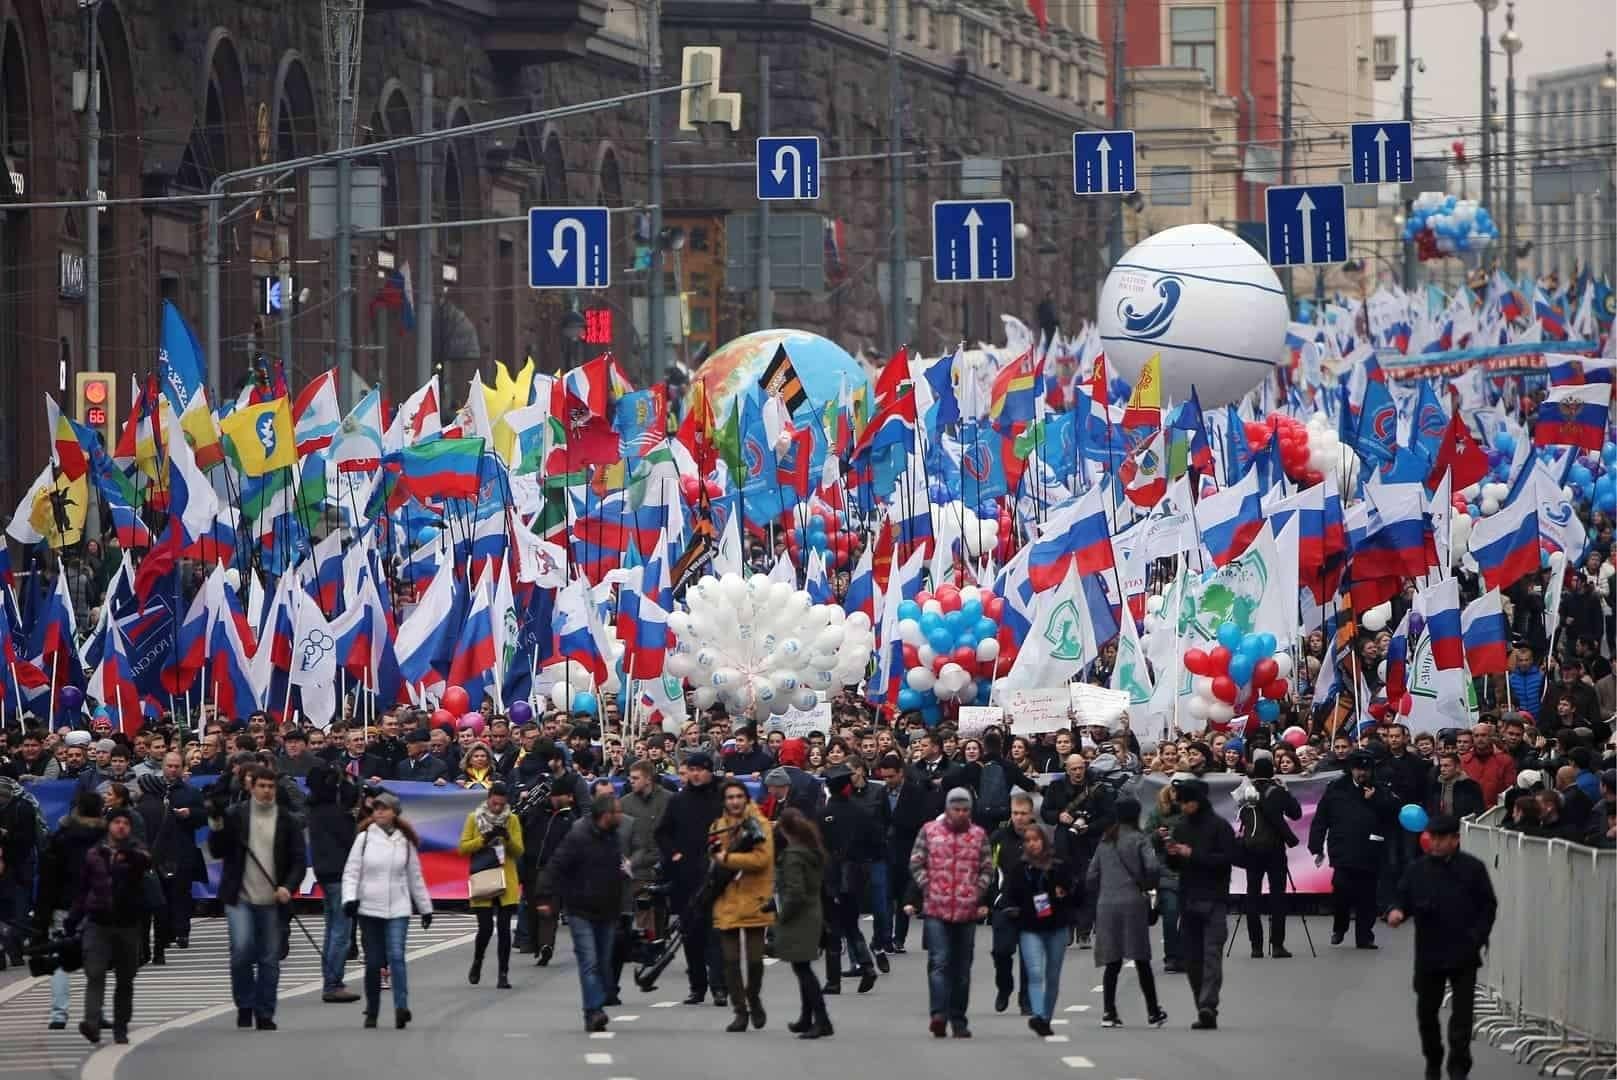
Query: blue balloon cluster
[[1246, 652], [944, 633], [1457, 225]]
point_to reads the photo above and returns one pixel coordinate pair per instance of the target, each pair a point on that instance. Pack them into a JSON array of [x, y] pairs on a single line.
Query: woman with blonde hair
[[743, 881], [383, 886]]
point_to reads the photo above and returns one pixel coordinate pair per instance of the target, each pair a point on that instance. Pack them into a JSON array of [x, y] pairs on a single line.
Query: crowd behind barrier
[[1551, 999]]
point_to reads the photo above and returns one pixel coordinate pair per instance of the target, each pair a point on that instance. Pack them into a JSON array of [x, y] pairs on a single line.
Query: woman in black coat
[[799, 916]]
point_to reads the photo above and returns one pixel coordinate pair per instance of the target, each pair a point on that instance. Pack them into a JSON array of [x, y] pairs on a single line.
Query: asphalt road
[[1346, 1013]]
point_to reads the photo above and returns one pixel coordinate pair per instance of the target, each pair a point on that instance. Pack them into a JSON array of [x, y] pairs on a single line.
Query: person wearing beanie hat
[[953, 870], [1202, 849], [382, 886], [853, 845], [1353, 820], [1449, 895], [1265, 836], [492, 839], [110, 899], [681, 836]]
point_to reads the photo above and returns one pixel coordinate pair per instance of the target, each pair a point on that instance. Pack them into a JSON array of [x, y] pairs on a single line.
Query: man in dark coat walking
[[682, 839], [590, 874], [1353, 820], [171, 811], [1202, 849], [1448, 894], [909, 803]]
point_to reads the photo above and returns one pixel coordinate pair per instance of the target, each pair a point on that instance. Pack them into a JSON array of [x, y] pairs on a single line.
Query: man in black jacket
[[1265, 837], [1202, 850], [172, 813], [1005, 843], [590, 874], [908, 805], [1401, 771], [748, 758], [1448, 894], [1081, 808], [682, 839], [853, 841], [878, 890], [109, 900], [260, 846], [418, 765], [359, 762], [296, 759], [1453, 792], [332, 797], [1354, 818]]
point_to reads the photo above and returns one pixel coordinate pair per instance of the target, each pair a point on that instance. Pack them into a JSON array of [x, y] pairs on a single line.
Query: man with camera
[[682, 838], [1354, 818], [1080, 807], [110, 903], [1265, 836], [260, 845]]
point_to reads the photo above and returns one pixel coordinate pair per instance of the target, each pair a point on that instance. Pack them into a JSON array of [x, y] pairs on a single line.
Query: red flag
[[792, 467], [1459, 455], [893, 378]]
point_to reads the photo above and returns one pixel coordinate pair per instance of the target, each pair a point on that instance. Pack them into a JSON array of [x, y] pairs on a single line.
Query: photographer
[[547, 814], [1080, 806], [1265, 804], [110, 899], [59, 883], [20, 833], [172, 812], [261, 847], [742, 849]]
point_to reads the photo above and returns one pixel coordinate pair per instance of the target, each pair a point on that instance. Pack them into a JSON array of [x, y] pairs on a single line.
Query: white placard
[[1098, 705], [797, 724], [976, 719], [1034, 712]]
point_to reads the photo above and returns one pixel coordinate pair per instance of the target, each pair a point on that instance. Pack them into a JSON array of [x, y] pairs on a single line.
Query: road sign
[[789, 168], [1383, 153], [1102, 162], [1307, 224], [972, 240], [569, 247]]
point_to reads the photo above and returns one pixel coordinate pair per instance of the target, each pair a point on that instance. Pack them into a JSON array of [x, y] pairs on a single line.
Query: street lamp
[[1487, 56], [1511, 42], [1608, 88]]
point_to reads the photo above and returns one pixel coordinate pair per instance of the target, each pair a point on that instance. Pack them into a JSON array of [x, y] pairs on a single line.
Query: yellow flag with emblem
[[261, 437]]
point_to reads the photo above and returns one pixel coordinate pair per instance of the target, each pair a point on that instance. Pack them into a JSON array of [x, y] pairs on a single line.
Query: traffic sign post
[[789, 167], [569, 247], [973, 240], [1103, 163], [1383, 152], [1307, 224]]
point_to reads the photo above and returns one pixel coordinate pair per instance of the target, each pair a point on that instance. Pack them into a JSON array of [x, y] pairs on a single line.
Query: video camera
[[58, 951]]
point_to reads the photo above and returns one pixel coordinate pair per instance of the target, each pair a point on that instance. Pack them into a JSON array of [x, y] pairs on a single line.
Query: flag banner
[[780, 380]]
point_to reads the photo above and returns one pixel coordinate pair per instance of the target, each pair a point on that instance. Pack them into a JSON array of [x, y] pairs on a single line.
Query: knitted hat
[[777, 778], [958, 797], [78, 738]]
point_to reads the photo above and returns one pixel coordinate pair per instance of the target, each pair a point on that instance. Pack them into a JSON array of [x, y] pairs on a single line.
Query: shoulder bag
[[1154, 912], [487, 874]]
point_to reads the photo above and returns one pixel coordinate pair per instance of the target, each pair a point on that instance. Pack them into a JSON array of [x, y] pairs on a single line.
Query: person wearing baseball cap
[[1354, 818], [1449, 895]]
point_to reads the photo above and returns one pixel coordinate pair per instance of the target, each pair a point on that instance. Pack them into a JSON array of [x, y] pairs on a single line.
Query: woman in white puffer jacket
[[383, 886]]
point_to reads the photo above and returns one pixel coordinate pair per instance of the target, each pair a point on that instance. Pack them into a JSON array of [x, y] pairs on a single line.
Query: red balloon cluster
[[840, 546], [690, 489], [979, 661], [1292, 435], [1214, 664]]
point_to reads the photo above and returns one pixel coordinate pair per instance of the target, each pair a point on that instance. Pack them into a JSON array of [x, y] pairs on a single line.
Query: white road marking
[[597, 1059], [1057, 1038], [1058, 1023], [1077, 1063], [625, 1018], [603, 1035], [1096, 989], [771, 961], [1075, 1008], [517, 1035], [664, 1004]]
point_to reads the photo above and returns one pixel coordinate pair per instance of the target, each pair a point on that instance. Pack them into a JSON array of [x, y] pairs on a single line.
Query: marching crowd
[[751, 844]]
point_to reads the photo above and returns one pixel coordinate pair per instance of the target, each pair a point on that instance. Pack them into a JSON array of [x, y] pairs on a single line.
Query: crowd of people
[[756, 843]]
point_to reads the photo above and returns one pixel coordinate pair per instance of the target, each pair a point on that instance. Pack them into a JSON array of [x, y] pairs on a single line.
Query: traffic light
[[97, 404]]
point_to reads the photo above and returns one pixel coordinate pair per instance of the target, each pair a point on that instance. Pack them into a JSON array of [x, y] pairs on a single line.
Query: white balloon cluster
[[762, 647], [1326, 454], [1376, 619], [978, 536]]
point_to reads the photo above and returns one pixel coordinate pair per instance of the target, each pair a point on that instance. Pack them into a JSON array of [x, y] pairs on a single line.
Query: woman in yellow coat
[[493, 824], [743, 868]]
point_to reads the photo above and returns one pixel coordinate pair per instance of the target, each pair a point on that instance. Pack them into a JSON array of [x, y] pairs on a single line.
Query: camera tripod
[[1291, 890]]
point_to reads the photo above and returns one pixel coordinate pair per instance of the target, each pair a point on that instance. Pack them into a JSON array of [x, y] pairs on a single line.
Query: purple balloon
[[520, 712], [70, 698]]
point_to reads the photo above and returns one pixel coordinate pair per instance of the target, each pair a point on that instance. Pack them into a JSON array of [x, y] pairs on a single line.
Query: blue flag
[[179, 359]]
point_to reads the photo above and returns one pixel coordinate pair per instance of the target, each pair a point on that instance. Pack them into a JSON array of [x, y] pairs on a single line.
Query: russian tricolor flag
[[643, 623], [1574, 415], [861, 595], [1074, 534], [1230, 518], [1398, 542], [112, 684], [1398, 661], [1505, 544], [1441, 606], [1487, 637], [473, 667]]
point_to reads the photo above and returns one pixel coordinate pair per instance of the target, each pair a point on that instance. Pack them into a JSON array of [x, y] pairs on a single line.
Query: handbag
[[1153, 912], [487, 875], [152, 899]]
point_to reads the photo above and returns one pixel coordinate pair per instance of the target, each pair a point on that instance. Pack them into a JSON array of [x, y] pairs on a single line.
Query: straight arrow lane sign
[[1104, 151], [1305, 212], [974, 222], [1307, 224], [1103, 162], [973, 240], [1382, 152]]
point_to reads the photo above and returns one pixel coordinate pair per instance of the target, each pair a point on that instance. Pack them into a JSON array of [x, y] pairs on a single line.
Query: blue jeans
[[948, 967], [881, 908], [61, 982], [337, 930], [255, 956], [1043, 952], [1168, 904], [592, 948], [384, 947]]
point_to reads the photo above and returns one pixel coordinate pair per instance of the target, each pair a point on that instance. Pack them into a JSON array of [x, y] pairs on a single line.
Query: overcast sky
[[1555, 34]]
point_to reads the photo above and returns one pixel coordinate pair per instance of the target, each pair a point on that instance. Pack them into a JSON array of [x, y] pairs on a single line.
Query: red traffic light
[[95, 391]]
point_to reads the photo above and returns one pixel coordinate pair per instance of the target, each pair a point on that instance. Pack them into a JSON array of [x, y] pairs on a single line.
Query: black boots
[[755, 1006]]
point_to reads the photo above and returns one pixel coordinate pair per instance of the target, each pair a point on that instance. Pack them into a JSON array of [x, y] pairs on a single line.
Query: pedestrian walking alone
[[953, 871], [110, 904], [493, 834], [589, 873], [742, 849], [1352, 822], [1448, 894], [332, 797], [1120, 876], [1202, 849], [1041, 897], [383, 886], [800, 917]]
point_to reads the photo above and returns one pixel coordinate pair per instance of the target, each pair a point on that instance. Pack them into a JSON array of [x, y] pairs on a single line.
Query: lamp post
[[1511, 42], [1608, 91], [1487, 136]]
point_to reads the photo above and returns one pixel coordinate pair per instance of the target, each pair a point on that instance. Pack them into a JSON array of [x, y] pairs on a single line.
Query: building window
[[1195, 42], [1170, 185]]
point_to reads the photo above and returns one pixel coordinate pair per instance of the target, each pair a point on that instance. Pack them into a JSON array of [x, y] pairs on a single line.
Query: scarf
[[487, 821]]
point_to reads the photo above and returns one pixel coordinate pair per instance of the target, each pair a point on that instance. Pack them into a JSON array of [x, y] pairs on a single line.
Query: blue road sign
[[972, 240], [789, 168], [1383, 153], [1102, 162], [569, 247], [1307, 224]]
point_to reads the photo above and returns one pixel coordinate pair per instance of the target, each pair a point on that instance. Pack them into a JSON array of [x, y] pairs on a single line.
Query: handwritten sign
[[1098, 705], [1034, 712], [797, 724], [976, 719]]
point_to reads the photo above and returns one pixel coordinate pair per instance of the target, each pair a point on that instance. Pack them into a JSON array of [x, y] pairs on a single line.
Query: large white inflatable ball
[[1207, 301]]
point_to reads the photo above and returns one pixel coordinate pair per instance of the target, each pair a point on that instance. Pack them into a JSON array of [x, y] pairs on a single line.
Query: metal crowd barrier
[[1547, 993]]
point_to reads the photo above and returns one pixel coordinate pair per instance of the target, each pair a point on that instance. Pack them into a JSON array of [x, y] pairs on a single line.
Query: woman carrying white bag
[[383, 886]]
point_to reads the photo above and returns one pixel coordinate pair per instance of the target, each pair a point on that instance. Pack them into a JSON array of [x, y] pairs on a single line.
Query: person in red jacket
[[952, 868], [1490, 767]]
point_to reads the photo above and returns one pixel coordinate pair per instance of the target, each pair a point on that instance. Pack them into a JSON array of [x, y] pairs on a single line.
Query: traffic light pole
[[217, 191]]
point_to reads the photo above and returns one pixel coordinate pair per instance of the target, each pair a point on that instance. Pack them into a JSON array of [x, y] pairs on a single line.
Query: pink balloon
[[472, 721], [1295, 737]]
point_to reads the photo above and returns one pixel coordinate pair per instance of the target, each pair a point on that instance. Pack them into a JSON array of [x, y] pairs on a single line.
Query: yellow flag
[[59, 509], [200, 429], [1145, 404], [261, 437]]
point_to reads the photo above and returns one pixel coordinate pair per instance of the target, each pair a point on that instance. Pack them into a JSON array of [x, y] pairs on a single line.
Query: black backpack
[[1257, 835], [994, 793]]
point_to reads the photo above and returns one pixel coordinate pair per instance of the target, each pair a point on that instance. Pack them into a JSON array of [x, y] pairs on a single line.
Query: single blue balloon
[[1268, 711], [984, 691], [971, 610], [931, 622], [967, 637], [1266, 645], [987, 628], [908, 699], [584, 702], [1412, 817], [909, 609], [1229, 636], [932, 713], [940, 640], [1241, 666], [955, 621]]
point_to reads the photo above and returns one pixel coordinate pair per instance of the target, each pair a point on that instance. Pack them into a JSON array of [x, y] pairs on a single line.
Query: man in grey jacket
[[643, 806]]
